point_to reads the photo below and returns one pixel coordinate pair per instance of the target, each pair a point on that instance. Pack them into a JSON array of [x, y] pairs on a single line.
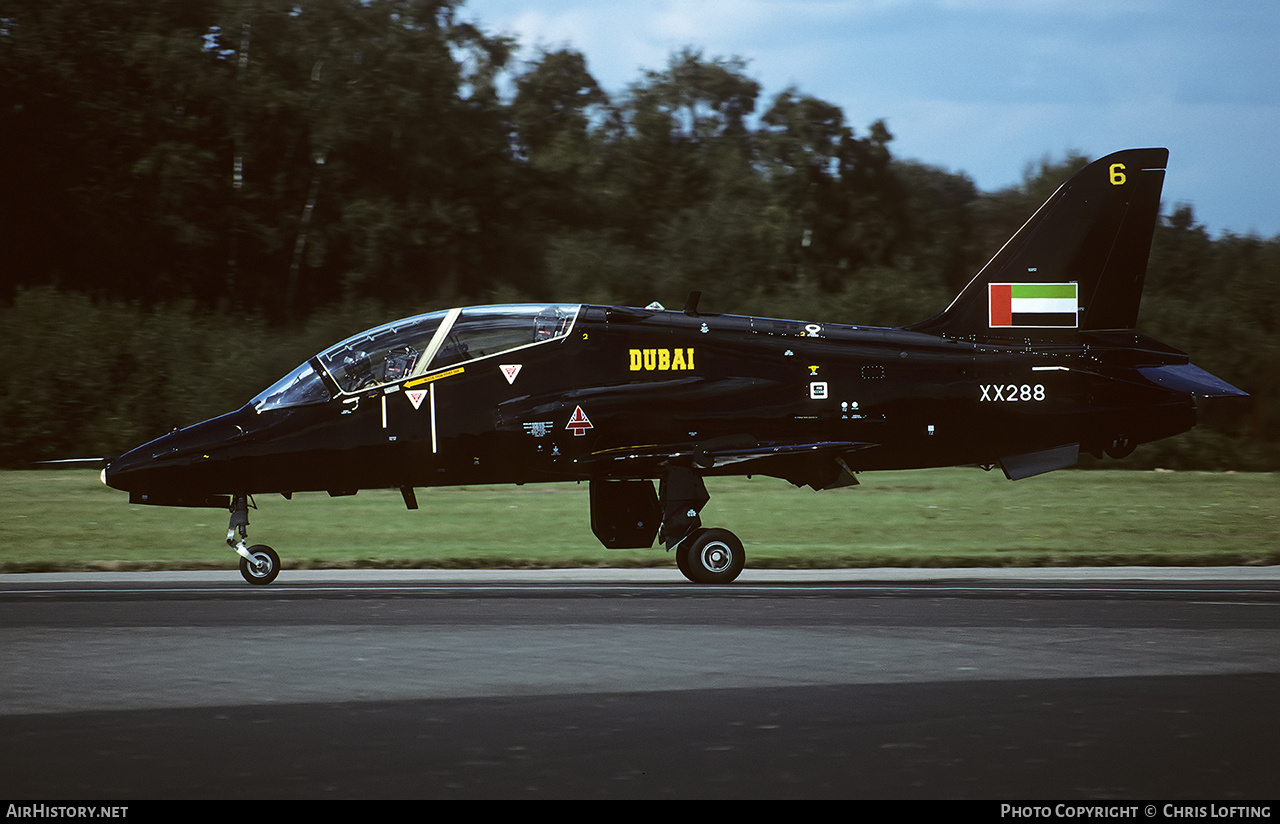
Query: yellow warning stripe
[[430, 378]]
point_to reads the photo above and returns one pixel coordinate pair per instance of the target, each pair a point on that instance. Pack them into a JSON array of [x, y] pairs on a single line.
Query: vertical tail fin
[[1078, 263]]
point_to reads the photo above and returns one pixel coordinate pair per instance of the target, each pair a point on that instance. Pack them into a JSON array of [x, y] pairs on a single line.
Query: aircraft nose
[[129, 471], [176, 464]]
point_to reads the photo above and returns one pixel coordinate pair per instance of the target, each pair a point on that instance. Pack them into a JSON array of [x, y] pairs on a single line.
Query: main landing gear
[[711, 556], [704, 556], [259, 564], [626, 514]]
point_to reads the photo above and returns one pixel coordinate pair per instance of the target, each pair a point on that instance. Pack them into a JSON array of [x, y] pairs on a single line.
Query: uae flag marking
[[1033, 305]]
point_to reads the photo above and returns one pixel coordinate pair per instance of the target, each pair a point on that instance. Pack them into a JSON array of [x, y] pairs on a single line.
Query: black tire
[[682, 556], [266, 568], [714, 556], [1121, 447]]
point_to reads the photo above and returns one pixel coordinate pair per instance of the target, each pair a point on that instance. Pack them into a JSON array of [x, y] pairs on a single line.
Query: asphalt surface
[[989, 684]]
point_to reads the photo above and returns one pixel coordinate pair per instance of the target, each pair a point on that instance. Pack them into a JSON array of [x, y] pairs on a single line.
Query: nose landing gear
[[259, 564]]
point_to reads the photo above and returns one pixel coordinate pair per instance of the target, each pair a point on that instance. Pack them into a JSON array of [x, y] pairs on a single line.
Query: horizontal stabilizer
[[1193, 380]]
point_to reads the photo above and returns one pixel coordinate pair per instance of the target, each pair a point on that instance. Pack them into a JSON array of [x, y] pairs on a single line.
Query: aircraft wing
[[819, 464]]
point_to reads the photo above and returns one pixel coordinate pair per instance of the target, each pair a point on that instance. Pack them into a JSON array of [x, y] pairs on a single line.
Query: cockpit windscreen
[[415, 346]]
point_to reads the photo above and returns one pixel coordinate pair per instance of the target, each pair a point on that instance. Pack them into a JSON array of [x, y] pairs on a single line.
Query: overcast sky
[[984, 87]]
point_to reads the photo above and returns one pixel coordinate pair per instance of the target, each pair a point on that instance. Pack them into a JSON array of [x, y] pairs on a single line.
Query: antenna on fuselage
[[691, 305]]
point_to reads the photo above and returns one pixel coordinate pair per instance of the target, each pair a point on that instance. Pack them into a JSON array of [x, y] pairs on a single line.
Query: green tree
[[557, 114], [553, 109], [107, 114], [374, 154]]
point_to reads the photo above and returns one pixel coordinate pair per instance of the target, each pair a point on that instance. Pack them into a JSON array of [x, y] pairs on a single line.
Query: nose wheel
[[259, 564]]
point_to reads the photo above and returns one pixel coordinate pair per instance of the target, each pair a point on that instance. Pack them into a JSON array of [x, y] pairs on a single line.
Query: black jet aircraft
[[1034, 362]]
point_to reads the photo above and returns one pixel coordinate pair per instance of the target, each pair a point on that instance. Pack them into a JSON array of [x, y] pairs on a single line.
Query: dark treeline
[[199, 194]]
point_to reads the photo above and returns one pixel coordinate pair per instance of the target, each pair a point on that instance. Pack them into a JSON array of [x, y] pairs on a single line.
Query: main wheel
[[264, 567], [1121, 447], [713, 556], [682, 556]]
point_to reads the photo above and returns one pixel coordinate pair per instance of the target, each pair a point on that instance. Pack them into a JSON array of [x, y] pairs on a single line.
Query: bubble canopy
[[416, 346]]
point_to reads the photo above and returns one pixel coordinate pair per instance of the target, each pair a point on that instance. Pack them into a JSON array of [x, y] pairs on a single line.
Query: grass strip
[[66, 520]]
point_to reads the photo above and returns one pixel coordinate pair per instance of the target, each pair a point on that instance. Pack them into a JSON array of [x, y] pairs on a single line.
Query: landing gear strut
[[259, 564], [704, 556]]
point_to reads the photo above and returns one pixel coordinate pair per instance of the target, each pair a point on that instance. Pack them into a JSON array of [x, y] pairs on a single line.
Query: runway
[[1069, 684]]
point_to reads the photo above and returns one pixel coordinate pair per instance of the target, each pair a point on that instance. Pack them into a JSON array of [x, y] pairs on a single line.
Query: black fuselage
[[627, 389]]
